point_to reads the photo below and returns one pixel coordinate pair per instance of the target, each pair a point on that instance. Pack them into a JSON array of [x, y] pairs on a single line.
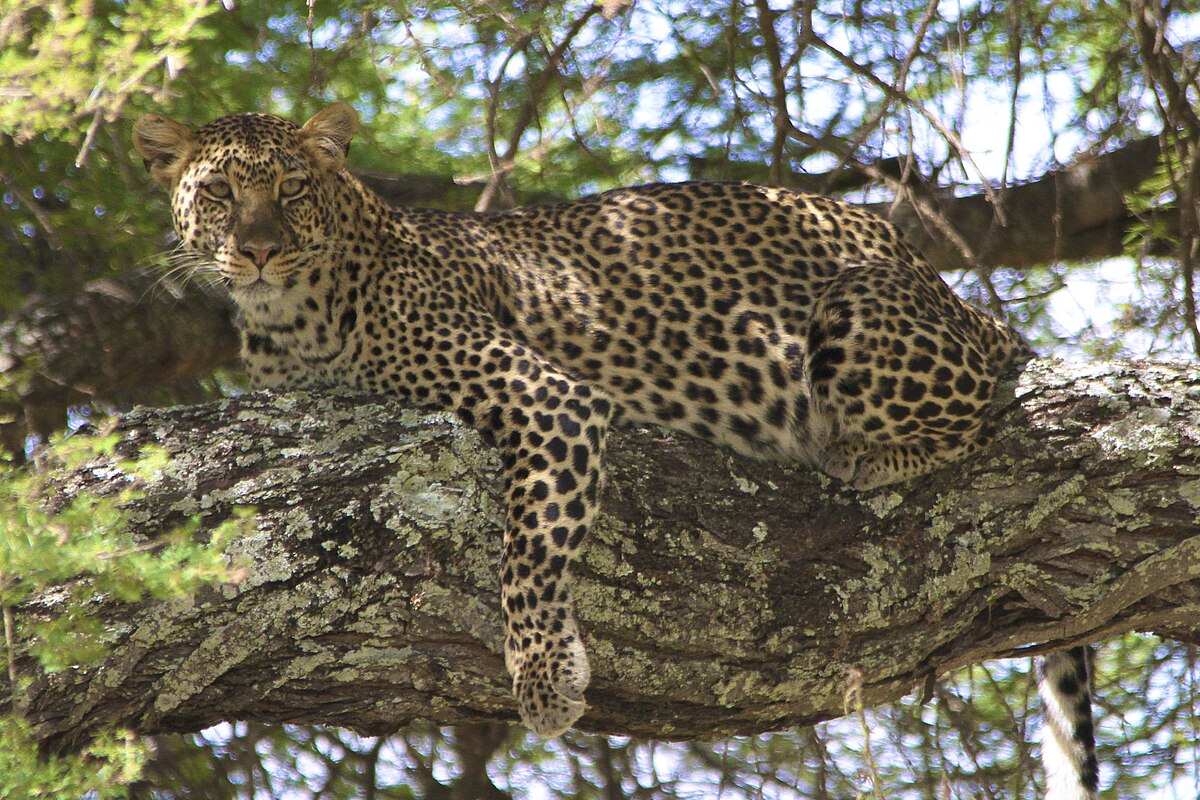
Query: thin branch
[[496, 194], [897, 94], [496, 189], [542, 81], [782, 119], [371, 769], [10, 653], [1161, 63], [1015, 47]]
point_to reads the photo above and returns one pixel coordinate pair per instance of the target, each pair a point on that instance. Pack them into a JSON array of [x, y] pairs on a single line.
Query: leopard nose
[[259, 252]]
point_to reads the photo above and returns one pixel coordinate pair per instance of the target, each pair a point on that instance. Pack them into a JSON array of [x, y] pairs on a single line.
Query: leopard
[[779, 324]]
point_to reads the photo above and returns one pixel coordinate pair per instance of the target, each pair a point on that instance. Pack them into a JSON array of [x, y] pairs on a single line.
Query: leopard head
[[252, 195]]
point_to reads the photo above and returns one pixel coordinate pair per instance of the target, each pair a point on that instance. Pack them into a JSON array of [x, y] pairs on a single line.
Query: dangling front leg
[[553, 450], [550, 429], [551, 432]]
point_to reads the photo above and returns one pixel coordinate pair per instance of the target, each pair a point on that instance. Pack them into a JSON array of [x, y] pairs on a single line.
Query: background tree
[[1018, 143]]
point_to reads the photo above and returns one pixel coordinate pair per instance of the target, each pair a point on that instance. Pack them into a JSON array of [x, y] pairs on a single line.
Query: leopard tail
[[1068, 738]]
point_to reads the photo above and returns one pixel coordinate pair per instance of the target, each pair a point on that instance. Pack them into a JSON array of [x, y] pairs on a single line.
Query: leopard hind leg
[[899, 383]]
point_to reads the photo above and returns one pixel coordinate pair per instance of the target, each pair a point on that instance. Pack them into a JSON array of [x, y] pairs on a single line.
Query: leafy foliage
[[71, 63], [84, 549], [103, 772], [81, 551]]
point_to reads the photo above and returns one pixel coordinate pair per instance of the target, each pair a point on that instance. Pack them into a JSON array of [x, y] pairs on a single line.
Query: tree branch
[[717, 596], [1076, 213], [124, 340]]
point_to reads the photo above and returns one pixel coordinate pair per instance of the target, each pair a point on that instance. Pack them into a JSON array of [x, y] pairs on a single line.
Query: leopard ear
[[327, 135], [165, 145]]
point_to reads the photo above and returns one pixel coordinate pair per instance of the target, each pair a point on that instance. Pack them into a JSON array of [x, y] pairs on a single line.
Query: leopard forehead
[[249, 145], [249, 131]]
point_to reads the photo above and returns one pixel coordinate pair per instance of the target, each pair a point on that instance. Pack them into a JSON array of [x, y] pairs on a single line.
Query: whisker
[[176, 268]]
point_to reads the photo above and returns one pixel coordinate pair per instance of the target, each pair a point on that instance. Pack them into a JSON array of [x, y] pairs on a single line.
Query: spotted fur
[[775, 323]]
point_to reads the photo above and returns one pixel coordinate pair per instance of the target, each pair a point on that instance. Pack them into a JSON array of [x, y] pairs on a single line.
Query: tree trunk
[[717, 595]]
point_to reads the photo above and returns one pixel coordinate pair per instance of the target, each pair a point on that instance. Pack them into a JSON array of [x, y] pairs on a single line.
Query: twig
[[910, 102], [542, 82], [502, 164], [1160, 62], [88, 139], [852, 701], [10, 651], [782, 121]]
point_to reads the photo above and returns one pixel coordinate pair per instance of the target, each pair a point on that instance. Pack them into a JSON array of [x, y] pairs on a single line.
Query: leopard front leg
[[550, 429], [272, 365], [552, 440], [554, 460]]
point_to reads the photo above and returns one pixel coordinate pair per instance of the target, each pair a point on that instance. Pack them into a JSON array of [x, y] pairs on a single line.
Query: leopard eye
[[292, 187], [218, 188]]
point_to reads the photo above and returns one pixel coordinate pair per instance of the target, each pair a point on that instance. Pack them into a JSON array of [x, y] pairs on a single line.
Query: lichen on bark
[[717, 595]]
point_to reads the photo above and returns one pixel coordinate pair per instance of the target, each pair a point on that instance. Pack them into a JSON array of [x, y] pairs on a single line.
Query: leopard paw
[[841, 461], [872, 475], [863, 467], [549, 679]]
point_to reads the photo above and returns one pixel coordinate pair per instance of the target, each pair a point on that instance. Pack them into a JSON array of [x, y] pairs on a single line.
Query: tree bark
[[718, 595], [1077, 213]]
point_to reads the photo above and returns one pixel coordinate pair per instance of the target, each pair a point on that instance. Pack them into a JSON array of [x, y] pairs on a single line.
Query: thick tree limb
[[718, 595], [1077, 213]]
